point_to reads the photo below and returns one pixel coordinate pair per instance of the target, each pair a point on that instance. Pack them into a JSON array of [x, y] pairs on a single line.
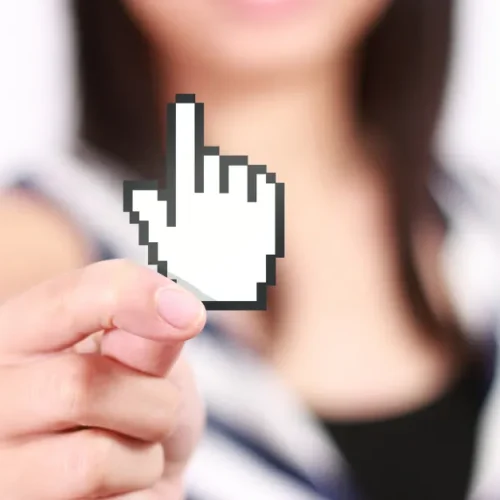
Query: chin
[[261, 50], [256, 35]]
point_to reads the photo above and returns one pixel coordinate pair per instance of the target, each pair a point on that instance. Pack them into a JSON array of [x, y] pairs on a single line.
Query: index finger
[[185, 144], [58, 314]]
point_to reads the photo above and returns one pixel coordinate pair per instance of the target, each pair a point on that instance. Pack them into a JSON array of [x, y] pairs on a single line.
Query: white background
[[35, 77]]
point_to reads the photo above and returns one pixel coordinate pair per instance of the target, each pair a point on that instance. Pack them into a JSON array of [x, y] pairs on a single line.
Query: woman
[[360, 382]]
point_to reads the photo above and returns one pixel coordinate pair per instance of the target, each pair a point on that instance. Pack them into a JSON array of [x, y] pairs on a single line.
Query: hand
[[98, 425], [219, 222]]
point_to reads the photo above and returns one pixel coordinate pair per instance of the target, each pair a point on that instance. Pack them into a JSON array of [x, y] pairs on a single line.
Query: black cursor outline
[[167, 192]]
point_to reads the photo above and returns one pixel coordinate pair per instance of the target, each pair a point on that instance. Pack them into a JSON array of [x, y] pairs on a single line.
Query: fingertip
[[181, 310]]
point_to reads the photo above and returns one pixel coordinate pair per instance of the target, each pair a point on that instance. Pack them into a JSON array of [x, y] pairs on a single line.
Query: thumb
[[56, 315]]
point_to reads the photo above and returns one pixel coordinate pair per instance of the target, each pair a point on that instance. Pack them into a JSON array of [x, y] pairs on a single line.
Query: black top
[[427, 454]]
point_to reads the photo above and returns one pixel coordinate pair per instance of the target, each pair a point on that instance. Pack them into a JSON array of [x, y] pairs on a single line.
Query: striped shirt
[[262, 442]]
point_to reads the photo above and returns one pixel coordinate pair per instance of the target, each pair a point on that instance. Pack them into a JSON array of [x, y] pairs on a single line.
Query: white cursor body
[[217, 225]]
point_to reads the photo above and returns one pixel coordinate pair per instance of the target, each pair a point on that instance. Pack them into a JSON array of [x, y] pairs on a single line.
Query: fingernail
[[178, 308]]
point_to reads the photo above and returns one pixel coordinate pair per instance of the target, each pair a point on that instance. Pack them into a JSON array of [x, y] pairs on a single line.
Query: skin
[[59, 246], [109, 416]]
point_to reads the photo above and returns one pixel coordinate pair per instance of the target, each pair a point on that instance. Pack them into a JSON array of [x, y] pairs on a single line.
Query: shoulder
[[87, 190]]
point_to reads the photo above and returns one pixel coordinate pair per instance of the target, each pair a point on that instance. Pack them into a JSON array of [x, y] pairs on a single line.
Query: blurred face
[[255, 35]]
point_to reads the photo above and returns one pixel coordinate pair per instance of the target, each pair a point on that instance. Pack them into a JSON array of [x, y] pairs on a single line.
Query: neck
[[312, 114]]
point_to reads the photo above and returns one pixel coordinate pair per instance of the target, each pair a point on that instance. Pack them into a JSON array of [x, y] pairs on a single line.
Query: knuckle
[[97, 465], [156, 464], [114, 270], [61, 299], [119, 277], [88, 464], [164, 421], [75, 389]]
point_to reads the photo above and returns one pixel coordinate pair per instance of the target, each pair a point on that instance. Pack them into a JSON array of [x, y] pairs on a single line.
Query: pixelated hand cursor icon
[[215, 224]]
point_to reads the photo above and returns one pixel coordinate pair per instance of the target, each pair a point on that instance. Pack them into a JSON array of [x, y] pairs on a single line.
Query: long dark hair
[[403, 78]]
